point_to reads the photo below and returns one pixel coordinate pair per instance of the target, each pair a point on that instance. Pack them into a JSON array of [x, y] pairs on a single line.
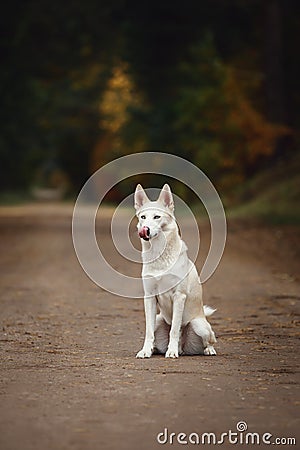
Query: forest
[[216, 82]]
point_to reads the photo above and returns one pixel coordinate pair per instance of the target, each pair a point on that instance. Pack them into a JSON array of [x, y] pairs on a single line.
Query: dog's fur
[[171, 284]]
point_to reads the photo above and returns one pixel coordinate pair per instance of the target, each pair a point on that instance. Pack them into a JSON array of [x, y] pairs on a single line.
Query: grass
[[272, 196], [11, 198]]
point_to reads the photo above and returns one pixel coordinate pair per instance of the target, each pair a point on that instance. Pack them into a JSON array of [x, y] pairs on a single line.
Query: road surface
[[69, 377]]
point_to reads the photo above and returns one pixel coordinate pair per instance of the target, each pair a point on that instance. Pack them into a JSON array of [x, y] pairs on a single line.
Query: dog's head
[[154, 216]]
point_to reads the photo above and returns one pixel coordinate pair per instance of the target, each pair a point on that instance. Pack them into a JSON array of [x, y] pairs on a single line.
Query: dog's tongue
[[144, 233]]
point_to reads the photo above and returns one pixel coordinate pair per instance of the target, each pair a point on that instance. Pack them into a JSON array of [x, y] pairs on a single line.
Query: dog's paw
[[144, 353], [171, 353], [210, 351]]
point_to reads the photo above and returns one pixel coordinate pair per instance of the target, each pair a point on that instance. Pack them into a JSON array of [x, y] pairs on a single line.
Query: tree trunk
[[274, 70]]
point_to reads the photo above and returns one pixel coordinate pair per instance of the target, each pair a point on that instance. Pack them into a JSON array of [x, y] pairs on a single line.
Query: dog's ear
[[140, 197], [166, 197]]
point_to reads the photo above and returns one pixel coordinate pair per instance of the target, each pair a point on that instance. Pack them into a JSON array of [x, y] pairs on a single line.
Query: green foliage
[[269, 201], [56, 59], [194, 84], [201, 105]]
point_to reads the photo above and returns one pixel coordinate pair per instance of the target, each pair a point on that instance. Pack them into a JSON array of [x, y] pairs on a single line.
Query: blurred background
[[216, 82]]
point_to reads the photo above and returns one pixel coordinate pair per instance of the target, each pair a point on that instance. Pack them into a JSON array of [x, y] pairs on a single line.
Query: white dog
[[171, 284]]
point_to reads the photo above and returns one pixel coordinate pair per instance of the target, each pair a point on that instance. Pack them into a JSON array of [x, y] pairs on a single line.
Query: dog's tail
[[208, 311]]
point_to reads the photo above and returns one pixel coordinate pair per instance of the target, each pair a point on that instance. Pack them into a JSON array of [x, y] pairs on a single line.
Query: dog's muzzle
[[144, 233]]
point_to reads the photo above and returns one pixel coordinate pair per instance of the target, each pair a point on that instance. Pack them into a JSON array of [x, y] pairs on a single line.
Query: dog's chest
[[165, 303], [160, 284]]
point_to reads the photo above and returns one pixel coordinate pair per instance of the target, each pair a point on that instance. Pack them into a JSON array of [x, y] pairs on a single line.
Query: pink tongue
[[143, 233]]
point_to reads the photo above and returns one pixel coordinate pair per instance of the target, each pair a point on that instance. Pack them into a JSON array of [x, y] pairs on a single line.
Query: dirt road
[[69, 377]]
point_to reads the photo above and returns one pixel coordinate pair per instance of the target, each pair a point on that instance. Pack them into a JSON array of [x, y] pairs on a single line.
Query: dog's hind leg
[[203, 329], [161, 335], [199, 338]]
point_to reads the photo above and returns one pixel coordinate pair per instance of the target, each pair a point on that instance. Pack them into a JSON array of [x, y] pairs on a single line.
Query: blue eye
[[156, 217], [143, 217]]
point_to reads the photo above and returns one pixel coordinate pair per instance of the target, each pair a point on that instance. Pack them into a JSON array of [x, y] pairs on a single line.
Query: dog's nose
[[144, 233]]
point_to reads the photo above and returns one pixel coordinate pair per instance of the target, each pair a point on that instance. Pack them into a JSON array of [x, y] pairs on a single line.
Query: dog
[[176, 321]]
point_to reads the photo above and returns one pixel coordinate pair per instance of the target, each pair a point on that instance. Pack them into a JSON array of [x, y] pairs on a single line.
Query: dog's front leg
[[150, 314], [178, 307]]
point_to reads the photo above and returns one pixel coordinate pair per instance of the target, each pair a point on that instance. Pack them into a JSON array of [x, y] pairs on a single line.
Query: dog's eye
[[143, 217], [156, 217]]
